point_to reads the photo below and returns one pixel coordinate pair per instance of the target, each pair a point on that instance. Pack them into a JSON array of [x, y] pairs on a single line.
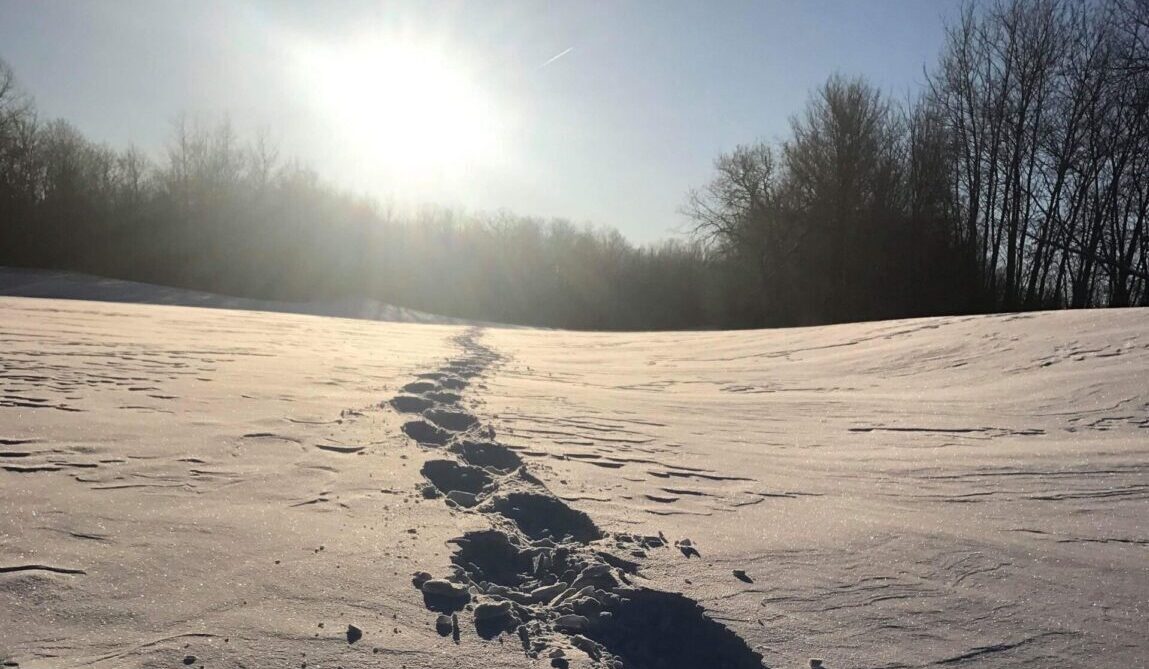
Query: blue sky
[[613, 132]]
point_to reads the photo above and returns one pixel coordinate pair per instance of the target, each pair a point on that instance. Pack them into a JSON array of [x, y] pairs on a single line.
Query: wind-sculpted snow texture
[[206, 488], [544, 571], [944, 492]]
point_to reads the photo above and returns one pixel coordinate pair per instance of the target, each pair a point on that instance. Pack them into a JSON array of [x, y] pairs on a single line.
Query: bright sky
[[600, 112]]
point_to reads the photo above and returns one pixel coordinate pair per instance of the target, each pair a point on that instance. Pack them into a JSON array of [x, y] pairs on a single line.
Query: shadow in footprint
[[448, 475], [463, 370], [411, 403], [490, 556], [419, 387], [489, 629], [488, 454], [444, 397], [670, 631], [540, 516], [455, 421], [426, 433]]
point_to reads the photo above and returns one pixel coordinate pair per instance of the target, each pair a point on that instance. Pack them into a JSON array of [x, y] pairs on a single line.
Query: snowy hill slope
[[241, 489]]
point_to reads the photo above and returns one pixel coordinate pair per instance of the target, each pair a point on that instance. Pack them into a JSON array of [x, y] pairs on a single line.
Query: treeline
[[1019, 179], [225, 214]]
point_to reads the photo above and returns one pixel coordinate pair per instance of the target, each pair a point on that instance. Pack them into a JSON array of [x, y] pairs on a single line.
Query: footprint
[[448, 475], [455, 421], [668, 629], [444, 397], [411, 403], [539, 516], [452, 383], [488, 454], [419, 387], [425, 433], [492, 554]]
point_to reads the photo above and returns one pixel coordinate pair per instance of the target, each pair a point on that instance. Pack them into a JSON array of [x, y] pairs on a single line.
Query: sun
[[414, 111]]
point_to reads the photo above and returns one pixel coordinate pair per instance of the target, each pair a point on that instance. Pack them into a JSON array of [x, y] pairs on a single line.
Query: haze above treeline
[[1017, 179]]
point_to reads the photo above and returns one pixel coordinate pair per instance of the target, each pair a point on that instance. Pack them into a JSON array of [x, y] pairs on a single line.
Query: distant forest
[[1018, 179]]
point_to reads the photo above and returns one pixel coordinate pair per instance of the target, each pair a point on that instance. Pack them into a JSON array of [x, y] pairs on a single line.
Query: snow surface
[[234, 487], [76, 286]]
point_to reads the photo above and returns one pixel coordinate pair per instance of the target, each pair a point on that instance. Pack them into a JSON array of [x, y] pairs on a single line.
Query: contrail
[[556, 57]]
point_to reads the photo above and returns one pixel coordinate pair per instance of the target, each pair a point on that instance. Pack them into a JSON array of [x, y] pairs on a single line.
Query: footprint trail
[[543, 572]]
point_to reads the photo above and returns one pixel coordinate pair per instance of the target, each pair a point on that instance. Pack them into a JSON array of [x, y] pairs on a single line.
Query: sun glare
[[411, 111]]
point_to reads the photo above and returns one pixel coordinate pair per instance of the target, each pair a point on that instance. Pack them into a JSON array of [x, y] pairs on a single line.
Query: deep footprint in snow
[[411, 403], [420, 387], [455, 421], [448, 475], [669, 631], [464, 370], [487, 454], [581, 594], [542, 516], [426, 433], [443, 397], [452, 383], [491, 555]]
